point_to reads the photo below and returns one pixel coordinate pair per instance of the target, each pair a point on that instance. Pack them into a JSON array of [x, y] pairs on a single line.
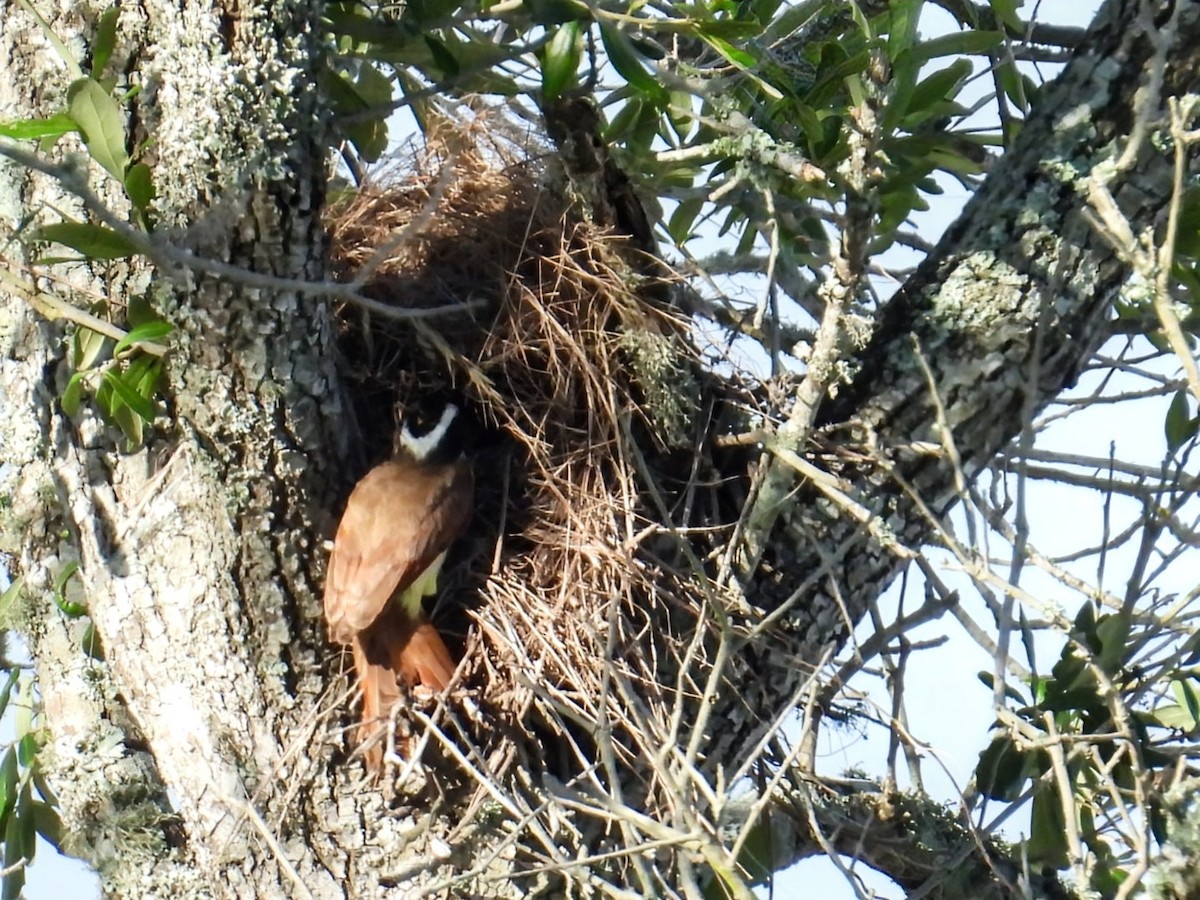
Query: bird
[[399, 521]]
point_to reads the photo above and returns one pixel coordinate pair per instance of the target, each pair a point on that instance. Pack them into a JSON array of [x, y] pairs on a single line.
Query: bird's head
[[433, 430]]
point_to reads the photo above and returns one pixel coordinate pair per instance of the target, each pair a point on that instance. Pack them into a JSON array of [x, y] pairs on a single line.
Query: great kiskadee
[[399, 521]]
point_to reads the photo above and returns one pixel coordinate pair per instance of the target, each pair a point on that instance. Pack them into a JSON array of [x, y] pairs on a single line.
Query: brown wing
[[400, 517]]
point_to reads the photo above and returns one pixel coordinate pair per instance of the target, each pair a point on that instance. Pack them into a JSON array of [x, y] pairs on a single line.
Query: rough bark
[[197, 761], [917, 842], [196, 553]]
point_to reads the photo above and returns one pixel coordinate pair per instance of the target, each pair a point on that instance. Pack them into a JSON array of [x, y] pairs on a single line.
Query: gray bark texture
[[198, 554], [199, 759]]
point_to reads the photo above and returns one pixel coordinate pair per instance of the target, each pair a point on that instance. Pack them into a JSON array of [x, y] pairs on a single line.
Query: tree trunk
[[199, 554], [198, 759]]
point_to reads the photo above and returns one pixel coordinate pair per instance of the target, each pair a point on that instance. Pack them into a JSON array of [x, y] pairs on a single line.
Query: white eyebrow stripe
[[421, 447]]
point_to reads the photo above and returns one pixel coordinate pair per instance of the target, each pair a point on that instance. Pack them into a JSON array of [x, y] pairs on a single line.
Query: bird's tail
[[395, 646]]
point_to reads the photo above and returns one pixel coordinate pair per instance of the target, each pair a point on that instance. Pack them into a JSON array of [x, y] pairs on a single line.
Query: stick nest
[[595, 396]]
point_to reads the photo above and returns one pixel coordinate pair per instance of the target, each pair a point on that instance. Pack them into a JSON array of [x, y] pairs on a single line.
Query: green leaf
[[1185, 692], [1028, 642], [1172, 715], [1179, 425], [148, 332], [14, 846], [8, 783], [684, 217], [138, 383], [8, 600], [125, 397], [756, 856], [1012, 82], [963, 42], [1006, 12], [129, 395], [106, 40], [903, 16], [623, 123], [1187, 228], [20, 837], [143, 373], [743, 60], [72, 395], [624, 57], [681, 114], [117, 413], [1074, 686], [555, 12], [792, 19], [561, 60], [1113, 634], [926, 100], [90, 642], [1084, 626], [366, 101], [69, 608], [445, 63], [345, 19], [86, 347], [22, 709], [139, 186], [39, 781], [858, 90], [1047, 844], [860, 19], [92, 241], [102, 123], [139, 311], [1188, 275], [1002, 770], [48, 824], [6, 691], [34, 129], [27, 750], [989, 679], [830, 78]]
